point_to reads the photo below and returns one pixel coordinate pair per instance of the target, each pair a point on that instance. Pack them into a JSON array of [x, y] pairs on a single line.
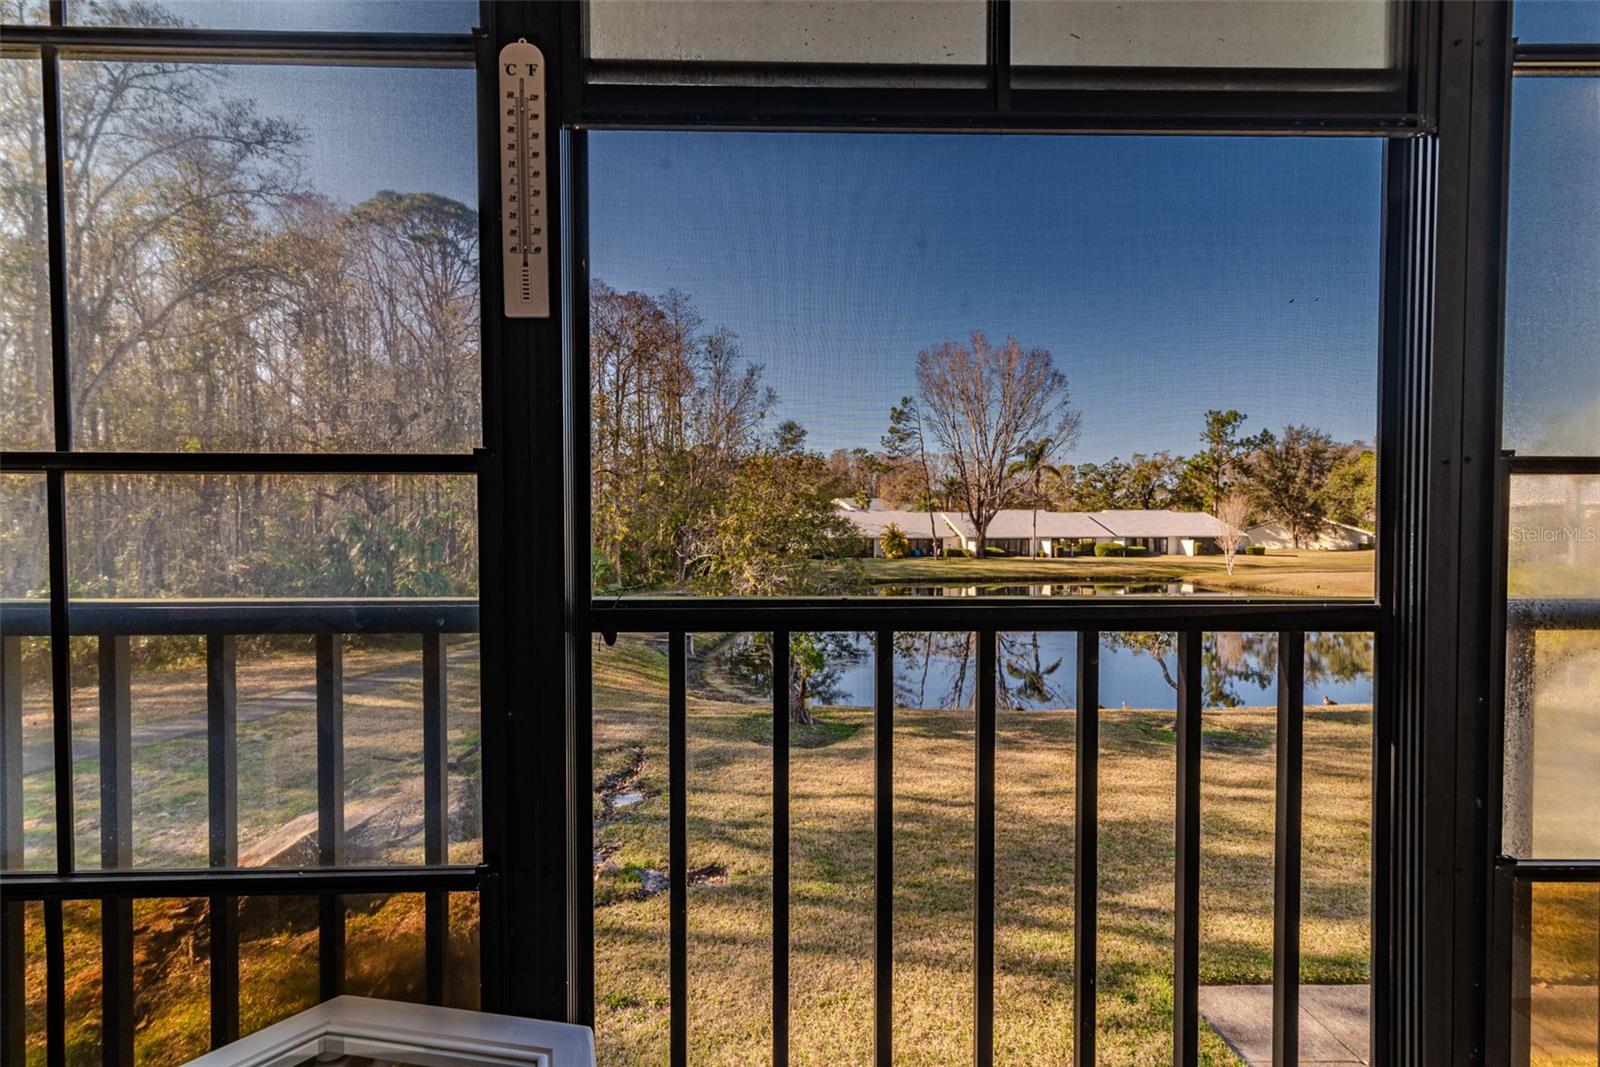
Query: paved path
[[1333, 1022]]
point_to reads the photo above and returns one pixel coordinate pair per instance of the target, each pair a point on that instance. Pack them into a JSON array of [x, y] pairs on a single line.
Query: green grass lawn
[[729, 811]]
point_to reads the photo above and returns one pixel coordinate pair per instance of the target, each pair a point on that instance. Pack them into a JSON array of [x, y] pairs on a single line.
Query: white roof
[[911, 523], [1018, 522], [1159, 523], [845, 503]]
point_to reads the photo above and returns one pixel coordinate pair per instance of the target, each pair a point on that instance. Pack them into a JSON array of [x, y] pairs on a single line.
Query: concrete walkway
[[1333, 1022]]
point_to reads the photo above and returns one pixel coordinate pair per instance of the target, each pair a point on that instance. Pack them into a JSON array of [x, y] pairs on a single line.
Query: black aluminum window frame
[[1512, 636], [1443, 232], [1438, 394], [998, 95], [220, 623]]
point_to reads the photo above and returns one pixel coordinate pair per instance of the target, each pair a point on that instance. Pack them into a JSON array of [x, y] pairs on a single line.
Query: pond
[[1056, 589], [1039, 669]]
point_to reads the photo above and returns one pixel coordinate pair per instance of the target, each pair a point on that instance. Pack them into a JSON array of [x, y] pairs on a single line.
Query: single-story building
[[1161, 532], [1022, 532], [871, 525], [1013, 530], [1330, 536]]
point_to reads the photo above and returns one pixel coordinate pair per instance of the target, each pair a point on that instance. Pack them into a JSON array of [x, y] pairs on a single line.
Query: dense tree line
[[690, 484], [216, 302]]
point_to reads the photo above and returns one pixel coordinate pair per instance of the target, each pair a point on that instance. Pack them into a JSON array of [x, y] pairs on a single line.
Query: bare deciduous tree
[[1233, 511], [981, 402], [905, 441]]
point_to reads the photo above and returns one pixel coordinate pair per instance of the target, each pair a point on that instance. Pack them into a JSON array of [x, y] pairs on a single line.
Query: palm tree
[[1033, 465]]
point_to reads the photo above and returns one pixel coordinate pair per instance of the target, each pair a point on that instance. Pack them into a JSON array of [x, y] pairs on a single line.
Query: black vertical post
[[883, 849], [1086, 848], [983, 855], [330, 807], [222, 763], [1186, 925], [1286, 868], [55, 480], [116, 848], [580, 638], [435, 808], [780, 849], [678, 844], [55, 495], [537, 953], [999, 34], [13, 1011]]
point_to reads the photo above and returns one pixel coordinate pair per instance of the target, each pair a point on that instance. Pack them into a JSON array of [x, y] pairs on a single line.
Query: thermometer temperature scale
[[524, 218]]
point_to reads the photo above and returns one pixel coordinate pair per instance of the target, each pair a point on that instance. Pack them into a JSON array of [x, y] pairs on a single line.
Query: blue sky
[[1552, 352], [367, 128], [1167, 275], [1556, 21]]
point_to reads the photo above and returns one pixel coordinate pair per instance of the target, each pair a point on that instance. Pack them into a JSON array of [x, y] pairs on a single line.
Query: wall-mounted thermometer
[[524, 215]]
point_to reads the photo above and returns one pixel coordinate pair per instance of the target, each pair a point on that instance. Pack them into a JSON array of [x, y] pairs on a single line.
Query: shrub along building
[[1023, 532]]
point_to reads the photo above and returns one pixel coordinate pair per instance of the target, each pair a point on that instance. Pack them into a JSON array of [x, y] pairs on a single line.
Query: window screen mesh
[[1220, 34], [254, 265], [782, 326], [782, 41], [1552, 345]]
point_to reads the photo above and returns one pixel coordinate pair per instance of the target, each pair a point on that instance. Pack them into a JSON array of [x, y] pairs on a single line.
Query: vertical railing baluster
[[55, 986], [1086, 849], [116, 847], [13, 972], [678, 844], [1186, 925], [61, 672], [983, 854], [780, 849], [330, 808], [13, 1010], [435, 808], [222, 807], [1286, 858], [883, 849], [11, 753], [1521, 936]]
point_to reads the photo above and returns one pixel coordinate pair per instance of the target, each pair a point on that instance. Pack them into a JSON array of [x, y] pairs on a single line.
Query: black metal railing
[[1187, 620], [117, 885]]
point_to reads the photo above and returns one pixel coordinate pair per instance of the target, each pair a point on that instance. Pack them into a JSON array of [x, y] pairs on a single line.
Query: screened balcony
[[439, 441]]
